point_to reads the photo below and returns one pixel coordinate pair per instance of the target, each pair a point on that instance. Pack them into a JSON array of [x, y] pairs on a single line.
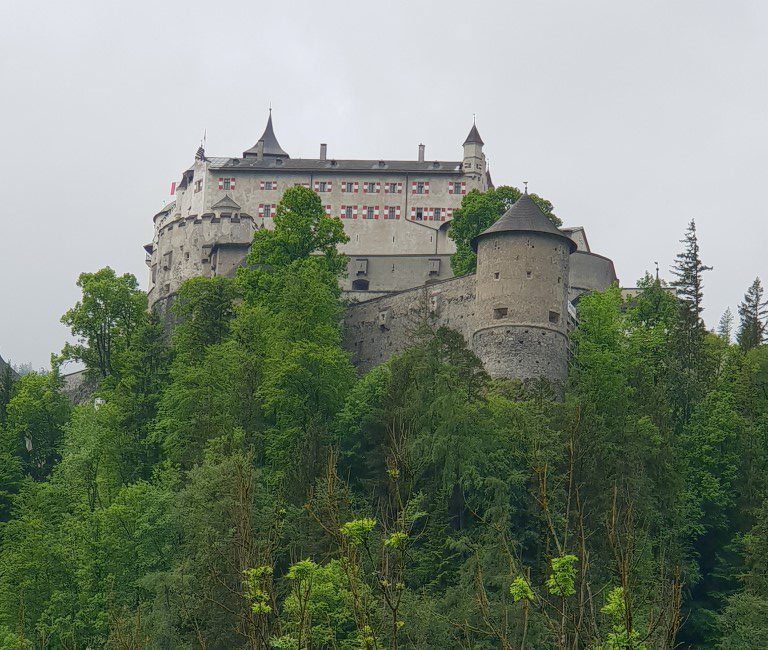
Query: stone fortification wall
[[376, 329], [590, 272]]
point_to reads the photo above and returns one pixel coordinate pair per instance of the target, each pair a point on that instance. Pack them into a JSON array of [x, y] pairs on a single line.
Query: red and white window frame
[[344, 211], [355, 187], [398, 188], [415, 187], [452, 187], [226, 180], [364, 211], [267, 185], [328, 186], [428, 214], [386, 211], [272, 209], [376, 187]]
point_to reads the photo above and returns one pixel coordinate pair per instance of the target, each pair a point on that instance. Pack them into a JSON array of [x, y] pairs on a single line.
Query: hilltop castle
[[514, 312]]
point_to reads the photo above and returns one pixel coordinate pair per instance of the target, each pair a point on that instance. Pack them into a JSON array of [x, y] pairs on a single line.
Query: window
[[391, 212], [267, 211], [496, 275], [393, 188], [434, 267], [268, 185], [370, 188], [554, 317], [361, 266], [419, 214], [500, 312], [419, 188], [360, 285], [198, 185], [227, 183], [437, 214], [369, 212], [348, 212], [322, 186], [529, 274], [349, 186], [457, 188]]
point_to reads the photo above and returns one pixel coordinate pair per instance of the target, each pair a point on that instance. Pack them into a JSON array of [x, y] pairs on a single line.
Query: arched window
[[360, 285]]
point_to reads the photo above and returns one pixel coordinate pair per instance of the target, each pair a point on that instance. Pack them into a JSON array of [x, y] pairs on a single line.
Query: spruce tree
[[725, 326], [752, 311], [689, 363]]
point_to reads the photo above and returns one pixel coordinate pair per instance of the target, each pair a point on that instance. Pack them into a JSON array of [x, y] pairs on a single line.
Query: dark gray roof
[[227, 202], [331, 166], [525, 216], [474, 136], [271, 145]]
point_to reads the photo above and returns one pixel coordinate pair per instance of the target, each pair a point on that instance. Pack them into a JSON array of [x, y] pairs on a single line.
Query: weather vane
[[526, 186]]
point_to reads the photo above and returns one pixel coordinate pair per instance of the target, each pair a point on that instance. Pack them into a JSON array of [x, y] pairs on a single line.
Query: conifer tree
[[752, 311], [725, 326], [688, 368]]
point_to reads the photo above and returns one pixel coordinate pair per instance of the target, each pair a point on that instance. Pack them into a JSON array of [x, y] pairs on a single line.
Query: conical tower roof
[[525, 216], [271, 145], [474, 136]]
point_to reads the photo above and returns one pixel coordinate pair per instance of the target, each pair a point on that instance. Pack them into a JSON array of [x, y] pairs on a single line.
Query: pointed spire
[[272, 147], [525, 216], [474, 135]]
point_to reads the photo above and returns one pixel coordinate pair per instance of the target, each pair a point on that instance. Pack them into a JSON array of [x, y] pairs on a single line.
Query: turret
[[474, 158], [267, 145], [521, 310]]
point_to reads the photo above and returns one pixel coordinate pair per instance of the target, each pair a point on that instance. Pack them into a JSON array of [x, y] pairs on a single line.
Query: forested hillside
[[238, 486]]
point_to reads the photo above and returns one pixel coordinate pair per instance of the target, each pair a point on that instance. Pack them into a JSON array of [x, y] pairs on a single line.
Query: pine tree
[[752, 311], [725, 326], [689, 365]]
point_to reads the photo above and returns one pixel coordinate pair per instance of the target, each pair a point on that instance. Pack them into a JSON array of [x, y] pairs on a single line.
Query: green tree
[[753, 312], [105, 320], [480, 210]]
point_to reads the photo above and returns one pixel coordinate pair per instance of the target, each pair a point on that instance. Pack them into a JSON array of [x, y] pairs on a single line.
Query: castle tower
[[474, 158], [267, 145], [521, 306]]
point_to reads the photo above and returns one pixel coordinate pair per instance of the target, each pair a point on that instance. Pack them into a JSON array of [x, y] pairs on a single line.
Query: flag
[[173, 188]]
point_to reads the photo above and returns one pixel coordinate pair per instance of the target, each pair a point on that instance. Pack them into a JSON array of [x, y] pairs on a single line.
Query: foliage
[[104, 320], [479, 211]]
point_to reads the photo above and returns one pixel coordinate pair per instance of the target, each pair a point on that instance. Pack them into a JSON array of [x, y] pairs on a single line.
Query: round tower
[[521, 304]]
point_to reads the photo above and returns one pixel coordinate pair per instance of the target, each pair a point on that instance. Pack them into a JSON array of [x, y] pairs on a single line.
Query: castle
[[514, 312]]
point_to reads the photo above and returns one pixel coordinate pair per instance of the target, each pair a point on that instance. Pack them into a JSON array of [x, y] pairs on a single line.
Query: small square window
[[496, 275], [349, 187], [500, 312], [529, 274], [554, 317]]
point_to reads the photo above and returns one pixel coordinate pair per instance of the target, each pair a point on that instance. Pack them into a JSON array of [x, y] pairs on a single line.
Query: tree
[[104, 320], [725, 326], [480, 210], [753, 311], [689, 367]]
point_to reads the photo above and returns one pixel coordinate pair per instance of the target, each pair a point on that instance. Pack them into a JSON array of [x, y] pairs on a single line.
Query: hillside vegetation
[[238, 486]]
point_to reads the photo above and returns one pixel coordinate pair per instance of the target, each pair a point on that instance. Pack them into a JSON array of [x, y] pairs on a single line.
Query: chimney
[[260, 150], [421, 153], [323, 151]]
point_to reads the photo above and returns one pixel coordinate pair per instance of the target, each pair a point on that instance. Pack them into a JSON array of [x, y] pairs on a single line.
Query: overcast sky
[[631, 117]]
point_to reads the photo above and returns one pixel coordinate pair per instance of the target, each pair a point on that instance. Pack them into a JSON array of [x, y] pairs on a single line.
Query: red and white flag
[[173, 188]]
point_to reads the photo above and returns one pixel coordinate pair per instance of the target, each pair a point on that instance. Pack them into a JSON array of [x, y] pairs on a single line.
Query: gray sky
[[631, 117]]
